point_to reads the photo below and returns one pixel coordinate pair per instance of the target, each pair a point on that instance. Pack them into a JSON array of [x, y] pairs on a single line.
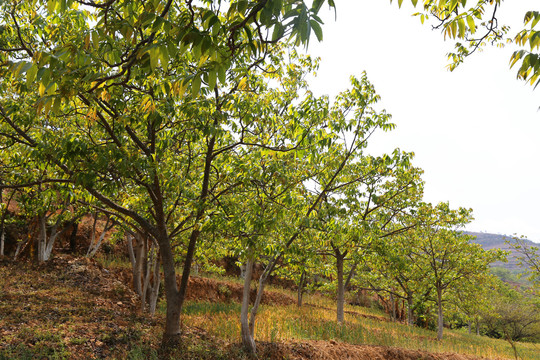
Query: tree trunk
[[94, 246], [155, 281], [172, 319], [200, 213], [42, 238], [477, 327], [351, 275], [21, 245], [187, 264], [242, 271], [51, 240], [2, 221], [2, 230], [340, 288], [133, 261], [146, 267], [508, 338], [2, 240], [469, 326], [410, 319], [301, 288], [247, 337], [440, 323], [392, 307], [260, 291], [136, 254]]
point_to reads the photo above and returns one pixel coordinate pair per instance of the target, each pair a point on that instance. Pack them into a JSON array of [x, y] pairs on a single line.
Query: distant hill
[[496, 241]]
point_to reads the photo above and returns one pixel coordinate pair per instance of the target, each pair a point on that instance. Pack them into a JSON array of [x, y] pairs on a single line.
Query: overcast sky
[[475, 131]]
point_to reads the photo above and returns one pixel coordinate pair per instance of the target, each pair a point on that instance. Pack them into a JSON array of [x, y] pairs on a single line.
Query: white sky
[[475, 131]]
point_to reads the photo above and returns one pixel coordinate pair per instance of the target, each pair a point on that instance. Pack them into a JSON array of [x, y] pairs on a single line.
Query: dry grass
[[316, 320]]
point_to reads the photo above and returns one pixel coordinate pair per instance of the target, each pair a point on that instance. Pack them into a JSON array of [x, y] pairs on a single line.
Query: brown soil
[[68, 308], [211, 290]]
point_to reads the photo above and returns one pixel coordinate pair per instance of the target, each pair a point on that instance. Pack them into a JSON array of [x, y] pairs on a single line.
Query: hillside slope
[[73, 308], [496, 241]]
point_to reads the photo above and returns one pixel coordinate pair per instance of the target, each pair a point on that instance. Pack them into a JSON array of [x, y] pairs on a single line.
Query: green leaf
[[164, 56], [317, 29], [154, 57], [157, 23], [44, 75], [222, 75], [242, 6], [22, 68], [51, 5], [278, 32], [317, 4], [462, 28], [472, 25], [31, 75], [195, 85], [212, 77], [95, 40], [56, 105]]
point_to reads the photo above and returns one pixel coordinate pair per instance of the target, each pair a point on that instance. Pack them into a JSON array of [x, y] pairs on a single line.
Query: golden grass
[[316, 320]]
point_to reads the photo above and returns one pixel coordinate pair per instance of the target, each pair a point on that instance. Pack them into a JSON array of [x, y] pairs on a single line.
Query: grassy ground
[[76, 309], [316, 321]]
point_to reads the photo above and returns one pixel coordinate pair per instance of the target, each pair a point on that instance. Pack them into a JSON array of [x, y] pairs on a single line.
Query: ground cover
[[74, 308]]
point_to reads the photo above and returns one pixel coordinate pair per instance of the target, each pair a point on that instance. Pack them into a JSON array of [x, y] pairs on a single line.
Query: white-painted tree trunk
[[247, 336], [42, 238], [154, 289], [136, 257], [2, 240], [95, 245], [146, 272], [153, 279], [47, 238]]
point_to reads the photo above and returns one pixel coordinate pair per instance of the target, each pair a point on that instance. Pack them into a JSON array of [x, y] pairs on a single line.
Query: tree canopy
[[192, 125]]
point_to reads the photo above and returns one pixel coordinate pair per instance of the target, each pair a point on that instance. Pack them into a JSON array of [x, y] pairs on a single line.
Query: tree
[[392, 271], [96, 243], [328, 159], [529, 257], [472, 298], [135, 84], [514, 317], [144, 258], [378, 189], [445, 255], [49, 204], [474, 23]]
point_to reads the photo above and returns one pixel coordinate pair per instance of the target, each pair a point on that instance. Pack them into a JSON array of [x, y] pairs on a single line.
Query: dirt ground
[[72, 308]]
